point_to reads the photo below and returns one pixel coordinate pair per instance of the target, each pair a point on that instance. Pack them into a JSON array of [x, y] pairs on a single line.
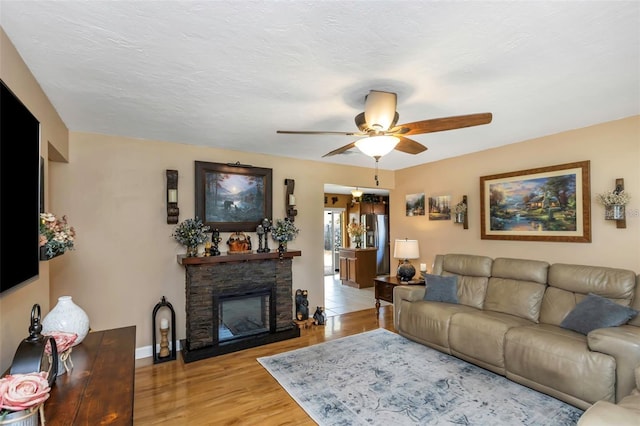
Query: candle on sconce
[[172, 195], [164, 324], [423, 267]]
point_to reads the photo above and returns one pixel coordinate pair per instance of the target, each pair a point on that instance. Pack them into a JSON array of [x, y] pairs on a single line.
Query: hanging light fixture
[[377, 146], [356, 193]]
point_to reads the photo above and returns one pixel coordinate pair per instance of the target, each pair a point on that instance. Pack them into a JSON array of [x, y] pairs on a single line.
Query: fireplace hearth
[[236, 302]]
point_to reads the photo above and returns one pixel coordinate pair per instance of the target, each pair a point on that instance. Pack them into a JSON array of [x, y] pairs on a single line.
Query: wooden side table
[[99, 389], [384, 288]]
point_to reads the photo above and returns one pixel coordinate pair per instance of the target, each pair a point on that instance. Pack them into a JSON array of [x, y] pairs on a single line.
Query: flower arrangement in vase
[[284, 230], [191, 233], [356, 231], [22, 396], [56, 236], [460, 210], [614, 197], [614, 202]]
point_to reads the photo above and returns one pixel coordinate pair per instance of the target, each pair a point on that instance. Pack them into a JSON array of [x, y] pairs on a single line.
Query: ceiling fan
[[380, 133]]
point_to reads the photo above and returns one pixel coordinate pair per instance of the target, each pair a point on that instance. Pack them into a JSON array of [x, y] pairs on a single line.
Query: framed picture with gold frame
[[543, 204]]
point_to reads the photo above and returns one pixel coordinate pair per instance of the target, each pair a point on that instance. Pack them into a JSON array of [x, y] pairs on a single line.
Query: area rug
[[381, 378]]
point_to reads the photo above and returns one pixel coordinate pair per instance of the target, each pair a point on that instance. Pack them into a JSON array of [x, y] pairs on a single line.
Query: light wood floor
[[341, 299], [234, 389]]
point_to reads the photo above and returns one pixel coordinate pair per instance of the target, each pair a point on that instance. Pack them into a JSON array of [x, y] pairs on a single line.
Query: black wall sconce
[[164, 354], [290, 200], [172, 197]]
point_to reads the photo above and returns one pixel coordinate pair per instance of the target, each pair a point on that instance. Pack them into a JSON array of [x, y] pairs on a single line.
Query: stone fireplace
[[237, 301]]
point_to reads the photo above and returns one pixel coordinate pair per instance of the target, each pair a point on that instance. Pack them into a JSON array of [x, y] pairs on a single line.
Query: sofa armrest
[[623, 343], [405, 292], [605, 413]]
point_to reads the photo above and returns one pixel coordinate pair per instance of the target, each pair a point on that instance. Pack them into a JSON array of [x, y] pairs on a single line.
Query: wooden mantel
[[243, 257]]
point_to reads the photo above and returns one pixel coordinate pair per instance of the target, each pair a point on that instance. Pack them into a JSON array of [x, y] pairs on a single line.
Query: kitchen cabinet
[[373, 208], [358, 266]]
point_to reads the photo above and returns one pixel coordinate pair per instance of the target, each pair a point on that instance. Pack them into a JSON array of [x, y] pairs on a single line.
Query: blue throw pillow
[[441, 288], [596, 312]]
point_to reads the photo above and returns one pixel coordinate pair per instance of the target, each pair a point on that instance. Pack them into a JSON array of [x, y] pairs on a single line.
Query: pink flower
[[21, 391], [63, 340]]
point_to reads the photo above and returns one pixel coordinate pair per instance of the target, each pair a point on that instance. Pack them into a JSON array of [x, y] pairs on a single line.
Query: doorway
[[332, 239]]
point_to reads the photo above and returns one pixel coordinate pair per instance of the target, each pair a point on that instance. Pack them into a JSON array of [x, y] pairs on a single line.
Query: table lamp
[[406, 249]]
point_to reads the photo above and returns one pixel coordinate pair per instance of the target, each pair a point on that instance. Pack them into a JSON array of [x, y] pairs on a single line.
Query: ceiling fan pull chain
[[376, 176]]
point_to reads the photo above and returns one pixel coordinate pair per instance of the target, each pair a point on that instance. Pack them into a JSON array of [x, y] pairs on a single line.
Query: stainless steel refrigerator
[[377, 235]]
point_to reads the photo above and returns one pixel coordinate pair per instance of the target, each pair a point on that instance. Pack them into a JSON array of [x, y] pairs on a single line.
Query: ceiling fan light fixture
[[377, 146], [356, 193], [380, 109]]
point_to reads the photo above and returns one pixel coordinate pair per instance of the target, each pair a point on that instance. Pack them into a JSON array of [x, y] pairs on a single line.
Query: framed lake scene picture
[[414, 204], [544, 204], [232, 197]]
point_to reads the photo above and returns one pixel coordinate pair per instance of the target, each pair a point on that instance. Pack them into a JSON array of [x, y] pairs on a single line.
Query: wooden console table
[[99, 389]]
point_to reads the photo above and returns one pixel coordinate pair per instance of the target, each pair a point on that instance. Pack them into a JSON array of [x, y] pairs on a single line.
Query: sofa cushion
[[520, 269], [611, 283], [478, 337], [569, 284], [441, 288], [473, 274], [520, 298], [558, 362], [428, 322], [467, 264], [596, 312]]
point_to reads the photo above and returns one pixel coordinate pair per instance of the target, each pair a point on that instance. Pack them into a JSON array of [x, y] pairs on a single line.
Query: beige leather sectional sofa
[[605, 413], [508, 319]]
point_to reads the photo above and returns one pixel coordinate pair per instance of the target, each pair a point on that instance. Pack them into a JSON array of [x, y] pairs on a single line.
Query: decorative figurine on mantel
[[266, 225], [260, 232], [215, 240]]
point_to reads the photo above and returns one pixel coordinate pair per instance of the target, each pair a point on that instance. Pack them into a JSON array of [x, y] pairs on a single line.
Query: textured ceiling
[[229, 74]]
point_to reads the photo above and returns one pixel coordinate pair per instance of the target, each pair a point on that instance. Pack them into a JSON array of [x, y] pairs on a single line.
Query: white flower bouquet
[[614, 197], [191, 233], [460, 208], [284, 230]]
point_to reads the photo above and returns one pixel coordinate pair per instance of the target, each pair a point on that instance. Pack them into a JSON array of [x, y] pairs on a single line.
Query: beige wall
[[16, 304], [614, 152], [113, 192]]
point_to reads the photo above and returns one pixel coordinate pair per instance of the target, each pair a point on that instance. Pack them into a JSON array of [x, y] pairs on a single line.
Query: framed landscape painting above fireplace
[[544, 204], [232, 197]]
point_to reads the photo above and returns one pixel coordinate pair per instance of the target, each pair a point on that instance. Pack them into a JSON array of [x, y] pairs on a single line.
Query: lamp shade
[[380, 109], [377, 146], [356, 193], [406, 249]]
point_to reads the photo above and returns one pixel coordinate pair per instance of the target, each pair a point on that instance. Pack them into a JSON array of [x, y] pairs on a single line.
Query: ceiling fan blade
[[447, 123], [340, 150], [380, 109], [409, 146], [314, 132]]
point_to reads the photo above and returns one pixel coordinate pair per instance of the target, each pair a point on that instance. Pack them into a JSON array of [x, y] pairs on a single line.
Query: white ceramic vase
[[68, 317]]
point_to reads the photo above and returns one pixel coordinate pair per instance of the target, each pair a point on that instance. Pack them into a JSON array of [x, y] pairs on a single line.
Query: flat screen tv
[[19, 191]]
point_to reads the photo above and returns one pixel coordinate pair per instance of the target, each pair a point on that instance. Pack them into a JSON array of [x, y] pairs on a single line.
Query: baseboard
[[147, 351]]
